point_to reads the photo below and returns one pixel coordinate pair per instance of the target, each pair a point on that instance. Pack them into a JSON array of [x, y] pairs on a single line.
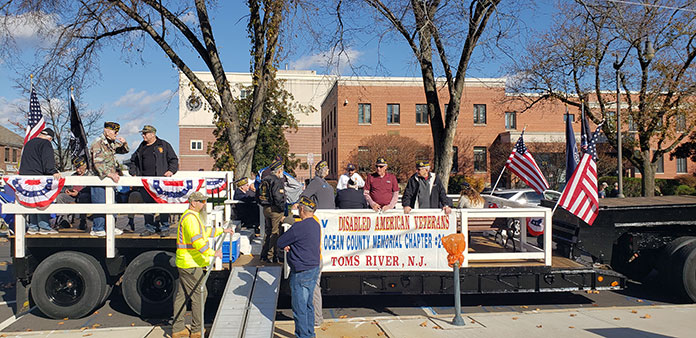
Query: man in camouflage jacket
[[105, 165]]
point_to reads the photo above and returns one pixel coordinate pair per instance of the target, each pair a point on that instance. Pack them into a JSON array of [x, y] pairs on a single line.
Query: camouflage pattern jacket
[[103, 152]]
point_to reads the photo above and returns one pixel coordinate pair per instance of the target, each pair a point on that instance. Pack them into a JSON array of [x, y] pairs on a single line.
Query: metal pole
[[619, 155], [458, 320]]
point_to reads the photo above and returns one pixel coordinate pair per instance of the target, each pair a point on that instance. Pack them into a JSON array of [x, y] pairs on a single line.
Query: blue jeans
[[39, 221], [98, 195], [302, 288]]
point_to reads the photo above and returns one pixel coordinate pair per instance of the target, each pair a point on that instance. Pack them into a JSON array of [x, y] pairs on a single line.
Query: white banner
[[362, 240]]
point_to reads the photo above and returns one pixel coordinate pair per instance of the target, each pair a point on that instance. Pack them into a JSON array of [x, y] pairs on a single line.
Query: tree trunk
[[647, 170]]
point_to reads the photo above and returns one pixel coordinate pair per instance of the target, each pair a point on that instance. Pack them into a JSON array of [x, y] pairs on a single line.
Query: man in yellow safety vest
[[192, 255]]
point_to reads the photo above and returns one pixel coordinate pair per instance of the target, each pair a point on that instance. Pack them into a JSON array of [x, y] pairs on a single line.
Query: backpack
[[264, 196]]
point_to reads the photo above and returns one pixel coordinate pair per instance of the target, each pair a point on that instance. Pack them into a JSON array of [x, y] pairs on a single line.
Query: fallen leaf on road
[[61, 323], [524, 306], [595, 305], [571, 327], [617, 318], [514, 318], [639, 300], [83, 328], [323, 329], [589, 291], [573, 314], [646, 317], [343, 317], [96, 312], [110, 314], [437, 327], [538, 326], [132, 324], [595, 291], [379, 334], [473, 321], [96, 326], [86, 334], [66, 318], [424, 324], [537, 309]]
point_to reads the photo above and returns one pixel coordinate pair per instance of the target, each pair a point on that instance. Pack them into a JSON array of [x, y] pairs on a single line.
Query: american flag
[[521, 163], [580, 194], [36, 119]]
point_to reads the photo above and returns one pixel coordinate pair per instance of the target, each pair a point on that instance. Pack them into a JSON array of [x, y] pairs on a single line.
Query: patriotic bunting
[[171, 190], [35, 192], [215, 185]]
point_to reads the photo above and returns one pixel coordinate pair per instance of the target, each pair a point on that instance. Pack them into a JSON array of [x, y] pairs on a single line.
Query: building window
[[421, 114], [510, 120], [660, 164], [196, 145], [568, 116], [455, 159], [479, 114], [14, 155], [393, 114], [364, 113], [7, 155], [631, 124], [681, 165], [480, 159], [334, 117], [243, 93], [680, 124]]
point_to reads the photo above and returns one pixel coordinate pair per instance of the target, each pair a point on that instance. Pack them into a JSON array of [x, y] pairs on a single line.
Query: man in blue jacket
[[301, 242]]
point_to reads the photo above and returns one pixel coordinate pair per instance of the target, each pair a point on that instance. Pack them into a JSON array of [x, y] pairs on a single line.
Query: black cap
[[49, 132]]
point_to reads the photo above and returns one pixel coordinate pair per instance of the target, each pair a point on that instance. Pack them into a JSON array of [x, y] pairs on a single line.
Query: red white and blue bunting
[[215, 185], [171, 190], [35, 192]]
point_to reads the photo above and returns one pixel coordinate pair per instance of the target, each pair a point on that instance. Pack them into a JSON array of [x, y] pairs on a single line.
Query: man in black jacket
[[424, 190], [38, 159], [154, 157], [351, 197], [271, 195]]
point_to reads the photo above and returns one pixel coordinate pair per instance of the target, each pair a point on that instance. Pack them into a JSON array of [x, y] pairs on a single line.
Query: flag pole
[[502, 171]]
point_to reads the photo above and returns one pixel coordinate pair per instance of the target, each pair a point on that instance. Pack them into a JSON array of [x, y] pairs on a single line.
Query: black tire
[[669, 250], [68, 284], [149, 284], [684, 272]]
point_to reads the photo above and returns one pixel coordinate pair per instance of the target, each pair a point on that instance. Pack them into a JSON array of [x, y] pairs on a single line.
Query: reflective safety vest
[[192, 250]]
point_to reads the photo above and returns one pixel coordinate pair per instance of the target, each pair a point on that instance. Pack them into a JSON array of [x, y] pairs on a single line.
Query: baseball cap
[[197, 196], [148, 129], [49, 132], [350, 166], [380, 162], [307, 202], [242, 181], [422, 164]]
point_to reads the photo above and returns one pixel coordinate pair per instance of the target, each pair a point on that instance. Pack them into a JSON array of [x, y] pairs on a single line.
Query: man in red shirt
[[381, 188]]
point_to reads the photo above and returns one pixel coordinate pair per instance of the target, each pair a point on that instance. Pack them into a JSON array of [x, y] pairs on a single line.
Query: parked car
[[526, 196]]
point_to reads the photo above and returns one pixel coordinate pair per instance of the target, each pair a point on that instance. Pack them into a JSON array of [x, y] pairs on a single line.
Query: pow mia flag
[[78, 139]]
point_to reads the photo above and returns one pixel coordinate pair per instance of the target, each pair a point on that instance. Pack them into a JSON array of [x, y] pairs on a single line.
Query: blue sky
[[138, 94]]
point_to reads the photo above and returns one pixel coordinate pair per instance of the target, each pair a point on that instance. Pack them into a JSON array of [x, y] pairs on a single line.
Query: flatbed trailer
[[648, 239], [72, 273]]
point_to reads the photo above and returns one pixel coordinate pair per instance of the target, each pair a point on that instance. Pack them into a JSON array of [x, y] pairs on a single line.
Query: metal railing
[[110, 208]]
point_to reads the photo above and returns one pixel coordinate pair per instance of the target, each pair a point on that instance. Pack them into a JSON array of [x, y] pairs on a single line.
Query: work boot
[[196, 334], [182, 334]]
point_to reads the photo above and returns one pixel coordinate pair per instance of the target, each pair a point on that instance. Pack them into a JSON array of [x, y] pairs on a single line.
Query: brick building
[[196, 118], [356, 108], [11, 145]]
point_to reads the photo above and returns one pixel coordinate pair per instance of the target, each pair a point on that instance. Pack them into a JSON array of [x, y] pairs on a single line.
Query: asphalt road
[[115, 313]]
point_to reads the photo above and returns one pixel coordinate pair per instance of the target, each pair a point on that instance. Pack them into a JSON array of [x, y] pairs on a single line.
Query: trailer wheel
[[68, 284], [684, 272], [664, 259], [149, 284]]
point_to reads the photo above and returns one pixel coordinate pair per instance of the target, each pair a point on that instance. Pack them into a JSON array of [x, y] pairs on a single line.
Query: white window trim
[[192, 142]]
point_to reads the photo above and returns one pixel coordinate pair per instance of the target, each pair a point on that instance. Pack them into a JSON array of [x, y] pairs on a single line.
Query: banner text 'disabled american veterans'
[[359, 241]]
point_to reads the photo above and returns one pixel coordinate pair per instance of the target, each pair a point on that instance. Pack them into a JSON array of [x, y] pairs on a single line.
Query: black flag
[[78, 138]]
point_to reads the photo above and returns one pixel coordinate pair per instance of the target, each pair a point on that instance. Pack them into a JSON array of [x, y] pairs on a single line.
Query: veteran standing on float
[[192, 255]]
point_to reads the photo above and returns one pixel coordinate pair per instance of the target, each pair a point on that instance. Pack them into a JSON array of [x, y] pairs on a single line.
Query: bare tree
[[653, 46], [82, 29], [435, 31]]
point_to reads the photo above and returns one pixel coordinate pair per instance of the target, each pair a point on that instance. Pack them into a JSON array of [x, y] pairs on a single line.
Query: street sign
[[310, 158]]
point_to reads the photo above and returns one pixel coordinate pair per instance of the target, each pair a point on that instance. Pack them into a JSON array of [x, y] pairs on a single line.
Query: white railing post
[[20, 231], [465, 231], [110, 224], [523, 233], [548, 226]]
